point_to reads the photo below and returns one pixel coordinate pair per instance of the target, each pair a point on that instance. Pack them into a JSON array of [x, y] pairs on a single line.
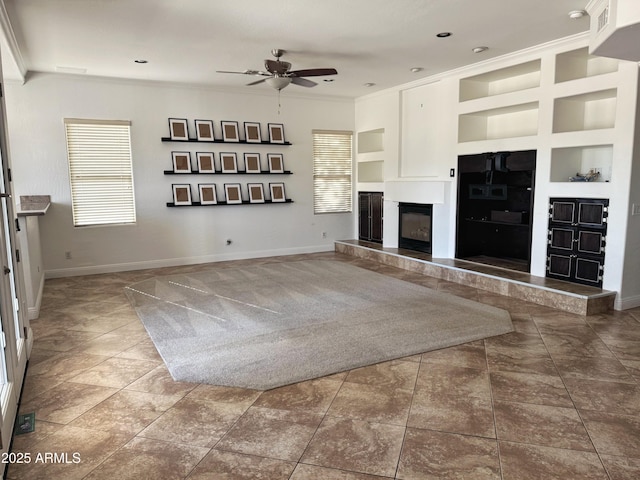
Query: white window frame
[[332, 171], [100, 171]]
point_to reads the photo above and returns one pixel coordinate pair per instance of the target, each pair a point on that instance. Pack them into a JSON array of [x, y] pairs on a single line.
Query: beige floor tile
[[372, 404], [236, 466], [356, 446], [115, 372], [530, 462], [428, 454], [313, 396]]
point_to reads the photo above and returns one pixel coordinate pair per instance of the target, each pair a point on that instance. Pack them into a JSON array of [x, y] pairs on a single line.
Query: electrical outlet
[[635, 209], [324, 234], [67, 255]]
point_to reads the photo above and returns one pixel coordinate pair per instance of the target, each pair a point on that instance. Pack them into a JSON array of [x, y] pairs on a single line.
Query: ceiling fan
[[279, 73]]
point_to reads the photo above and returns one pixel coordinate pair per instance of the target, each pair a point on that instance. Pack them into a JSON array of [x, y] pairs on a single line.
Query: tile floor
[[559, 398]]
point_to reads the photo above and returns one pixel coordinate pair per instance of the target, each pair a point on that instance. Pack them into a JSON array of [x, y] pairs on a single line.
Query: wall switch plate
[[635, 209], [452, 172]]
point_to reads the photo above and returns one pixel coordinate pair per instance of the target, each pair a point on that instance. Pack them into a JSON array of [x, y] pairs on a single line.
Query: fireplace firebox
[[415, 226]]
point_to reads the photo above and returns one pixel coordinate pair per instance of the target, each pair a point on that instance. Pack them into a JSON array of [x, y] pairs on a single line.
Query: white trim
[[34, 312], [626, 303], [176, 262], [12, 43]]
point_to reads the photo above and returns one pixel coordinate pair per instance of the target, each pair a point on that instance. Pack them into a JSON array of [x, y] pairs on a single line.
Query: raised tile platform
[[570, 297]]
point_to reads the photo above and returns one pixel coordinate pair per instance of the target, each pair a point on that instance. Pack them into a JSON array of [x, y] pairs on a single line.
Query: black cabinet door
[[577, 239], [370, 216]]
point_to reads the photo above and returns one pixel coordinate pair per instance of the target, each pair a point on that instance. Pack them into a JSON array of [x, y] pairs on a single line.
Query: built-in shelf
[[505, 122], [371, 171], [219, 204], [241, 142], [578, 64], [371, 141], [588, 111], [497, 82], [239, 172], [567, 162]]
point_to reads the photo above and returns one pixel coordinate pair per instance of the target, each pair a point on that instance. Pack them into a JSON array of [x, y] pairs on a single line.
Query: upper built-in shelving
[[568, 162], [504, 122], [497, 82], [371, 141], [370, 150], [588, 111], [578, 64]]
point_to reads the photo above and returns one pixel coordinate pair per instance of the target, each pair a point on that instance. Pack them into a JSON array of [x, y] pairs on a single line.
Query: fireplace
[[415, 226]]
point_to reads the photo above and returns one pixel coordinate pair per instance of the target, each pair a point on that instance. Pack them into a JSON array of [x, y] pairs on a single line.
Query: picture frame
[[256, 192], [276, 133], [276, 162], [181, 194], [207, 192], [228, 162], [232, 193], [178, 129], [252, 163], [252, 132], [230, 131], [277, 192], [181, 162], [204, 130], [206, 162]]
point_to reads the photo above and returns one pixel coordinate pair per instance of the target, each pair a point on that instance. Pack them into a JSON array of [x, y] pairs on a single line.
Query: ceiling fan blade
[[314, 72], [258, 81], [274, 66], [303, 82], [247, 72]]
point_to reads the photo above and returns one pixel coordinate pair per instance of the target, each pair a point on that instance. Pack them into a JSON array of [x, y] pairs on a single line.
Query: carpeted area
[[266, 326]]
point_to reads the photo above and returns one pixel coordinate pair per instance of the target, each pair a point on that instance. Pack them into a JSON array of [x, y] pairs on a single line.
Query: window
[[100, 172], [332, 168]]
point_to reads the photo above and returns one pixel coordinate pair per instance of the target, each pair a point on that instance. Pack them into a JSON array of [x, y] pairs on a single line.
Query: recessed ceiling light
[[369, 84], [479, 49], [576, 14], [444, 34], [141, 61], [416, 69]]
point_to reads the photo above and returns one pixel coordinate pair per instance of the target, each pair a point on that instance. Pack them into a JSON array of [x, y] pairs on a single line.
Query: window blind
[[332, 170], [100, 171]]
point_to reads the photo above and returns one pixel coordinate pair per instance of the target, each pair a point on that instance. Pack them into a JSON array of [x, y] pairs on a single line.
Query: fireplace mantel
[[415, 191]]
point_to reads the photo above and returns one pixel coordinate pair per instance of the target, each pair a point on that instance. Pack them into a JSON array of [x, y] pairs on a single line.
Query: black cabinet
[[577, 239], [495, 205], [370, 216]]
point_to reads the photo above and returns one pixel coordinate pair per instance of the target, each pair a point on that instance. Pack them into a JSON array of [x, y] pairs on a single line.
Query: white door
[[15, 343]]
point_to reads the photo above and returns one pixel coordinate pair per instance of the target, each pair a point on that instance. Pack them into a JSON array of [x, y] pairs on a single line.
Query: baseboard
[[627, 303], [175, 262]]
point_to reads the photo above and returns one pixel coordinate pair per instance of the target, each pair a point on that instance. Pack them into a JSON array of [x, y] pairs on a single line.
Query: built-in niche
[[495, 206]]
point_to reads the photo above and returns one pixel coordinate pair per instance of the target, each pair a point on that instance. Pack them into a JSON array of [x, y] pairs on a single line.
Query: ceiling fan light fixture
[[278, 82]]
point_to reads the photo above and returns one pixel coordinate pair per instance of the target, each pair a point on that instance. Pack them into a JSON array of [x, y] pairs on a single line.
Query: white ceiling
[[375, 41]]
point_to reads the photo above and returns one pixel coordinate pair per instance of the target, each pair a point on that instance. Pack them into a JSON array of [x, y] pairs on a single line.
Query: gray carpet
[[266, 326]]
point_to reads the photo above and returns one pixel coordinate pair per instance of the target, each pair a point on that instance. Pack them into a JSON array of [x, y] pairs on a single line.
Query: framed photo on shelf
[[181, 194], [277, 192], [252, 132], [230, 131], [228, 163], [181, 162], [232, 193], [276, 163], [178, 129], [256, 192], [276, 133], [207, 193], [206, 162], [204, 130], [252, 162]]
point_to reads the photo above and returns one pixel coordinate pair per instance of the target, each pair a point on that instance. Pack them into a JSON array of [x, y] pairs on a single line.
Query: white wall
[[162, 235]]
